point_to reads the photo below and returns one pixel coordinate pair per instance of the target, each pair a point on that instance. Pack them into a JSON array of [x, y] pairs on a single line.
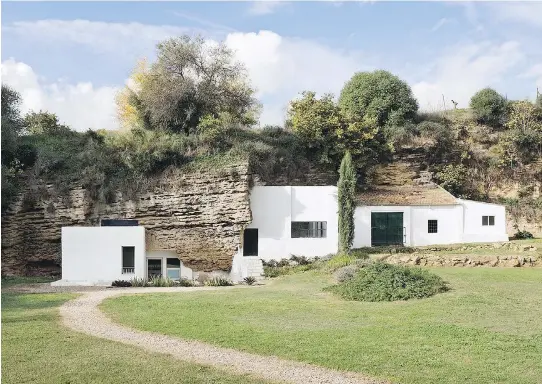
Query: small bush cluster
[[121, 283], [385, 282], [340, 260], [218, 281], [184, 282], [139, 282], [159, 281], [522, 235], [249, 280]]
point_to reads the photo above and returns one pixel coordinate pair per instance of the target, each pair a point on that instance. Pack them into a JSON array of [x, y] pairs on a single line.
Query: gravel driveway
[[83, 315]]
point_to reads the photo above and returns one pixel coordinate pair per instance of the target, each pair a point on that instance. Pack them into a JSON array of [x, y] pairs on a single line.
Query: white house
[[292, 220]]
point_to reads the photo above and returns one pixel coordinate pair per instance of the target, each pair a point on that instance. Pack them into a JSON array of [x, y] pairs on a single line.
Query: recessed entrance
[[387, 228], [250, 242], [154, 267]]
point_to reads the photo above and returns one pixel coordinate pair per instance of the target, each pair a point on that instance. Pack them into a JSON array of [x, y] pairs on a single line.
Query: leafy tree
[[523, 117], [43, 123], [347, 194], [489, 107], [316, 121], [191, 79], [12, 124], [130, 110], [378, 95], [454, 179], [329, 134]]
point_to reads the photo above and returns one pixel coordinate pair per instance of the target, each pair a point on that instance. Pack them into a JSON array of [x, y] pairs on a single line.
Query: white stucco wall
[[273, 210], [449, 225], [93, 255], [474, 231]]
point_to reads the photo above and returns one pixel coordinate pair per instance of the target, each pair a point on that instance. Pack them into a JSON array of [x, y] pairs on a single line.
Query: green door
[[387, 228]]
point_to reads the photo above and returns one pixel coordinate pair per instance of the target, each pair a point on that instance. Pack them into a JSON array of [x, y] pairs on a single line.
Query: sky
[[72, 58]]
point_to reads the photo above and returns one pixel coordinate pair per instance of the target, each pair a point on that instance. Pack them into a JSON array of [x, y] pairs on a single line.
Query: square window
[[173, 262], [174, 274], [432, 226]]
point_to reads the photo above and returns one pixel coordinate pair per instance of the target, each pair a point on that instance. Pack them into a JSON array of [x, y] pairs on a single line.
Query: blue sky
[[72, 57]]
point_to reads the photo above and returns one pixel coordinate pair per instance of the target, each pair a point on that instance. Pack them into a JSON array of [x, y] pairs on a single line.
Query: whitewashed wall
[[474, 231], [449, 225], [93, 255], [273, 210]]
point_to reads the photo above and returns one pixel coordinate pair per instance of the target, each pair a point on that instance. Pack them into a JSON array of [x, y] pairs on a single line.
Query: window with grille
[[488, 220], [432, 226], [309, 229], [128, 259]]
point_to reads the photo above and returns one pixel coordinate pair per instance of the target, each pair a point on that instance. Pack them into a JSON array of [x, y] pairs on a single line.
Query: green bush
[[521, 235], [489, 107], [184, 282], [159, 281], [385, 282], [218, 281], [340, 260], [121, 283], [249, 280], [139, 282]]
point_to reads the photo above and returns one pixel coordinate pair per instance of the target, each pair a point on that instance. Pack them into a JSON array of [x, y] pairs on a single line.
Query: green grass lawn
[[487, 329], [37, 349]]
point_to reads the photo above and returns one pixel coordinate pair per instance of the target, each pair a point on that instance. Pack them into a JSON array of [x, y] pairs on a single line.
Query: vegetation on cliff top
[[195, 105]]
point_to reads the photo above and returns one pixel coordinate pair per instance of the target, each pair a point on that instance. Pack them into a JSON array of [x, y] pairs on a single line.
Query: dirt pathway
[[83, 315]]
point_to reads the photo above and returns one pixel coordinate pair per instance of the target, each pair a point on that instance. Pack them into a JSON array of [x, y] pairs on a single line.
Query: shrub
[[271, 271], [184, 282], [159, 281], [345, 273], [521, 235], [139, 282], [249, 280], [340, 260], [121, 283], [218, 281], [489, 107], [300, 260], [385, 282], [346, 196]]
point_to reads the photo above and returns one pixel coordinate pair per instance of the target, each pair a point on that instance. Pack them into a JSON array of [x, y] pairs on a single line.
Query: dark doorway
[[250, 242], [154, 268], [387, 228]]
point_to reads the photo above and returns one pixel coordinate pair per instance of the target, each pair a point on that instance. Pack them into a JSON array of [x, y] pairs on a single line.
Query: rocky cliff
[[200, 215]]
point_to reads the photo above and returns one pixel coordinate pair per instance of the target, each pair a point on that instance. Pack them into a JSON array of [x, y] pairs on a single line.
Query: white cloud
[[465, 69], [265, 7], [439, 24], [518, 12], [80, 105], [118, 38], [280, 68], [534, 72]]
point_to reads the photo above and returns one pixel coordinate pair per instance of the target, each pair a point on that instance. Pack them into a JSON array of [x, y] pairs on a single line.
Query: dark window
[[128, 259], [118, 223], [432, 226], [310, 229], [250, 242], [488, 220], [173, 262]]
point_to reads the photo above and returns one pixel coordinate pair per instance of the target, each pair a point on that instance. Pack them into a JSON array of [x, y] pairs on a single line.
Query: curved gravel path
[[82, 315]]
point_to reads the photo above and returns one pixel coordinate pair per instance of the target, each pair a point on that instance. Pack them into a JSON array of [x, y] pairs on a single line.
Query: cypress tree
[[347, 189]]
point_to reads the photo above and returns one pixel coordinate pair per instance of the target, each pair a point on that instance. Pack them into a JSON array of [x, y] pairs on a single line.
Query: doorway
[[387, 228], [154, 267], [250, 242]]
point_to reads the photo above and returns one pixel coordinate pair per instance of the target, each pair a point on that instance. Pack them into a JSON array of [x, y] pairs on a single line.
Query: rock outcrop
[[200, 215]]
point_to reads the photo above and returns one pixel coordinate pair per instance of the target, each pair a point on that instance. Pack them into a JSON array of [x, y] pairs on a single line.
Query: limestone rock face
[[199, 215]]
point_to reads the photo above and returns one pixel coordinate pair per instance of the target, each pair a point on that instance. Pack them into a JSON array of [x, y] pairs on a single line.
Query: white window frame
[[488, 221]]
